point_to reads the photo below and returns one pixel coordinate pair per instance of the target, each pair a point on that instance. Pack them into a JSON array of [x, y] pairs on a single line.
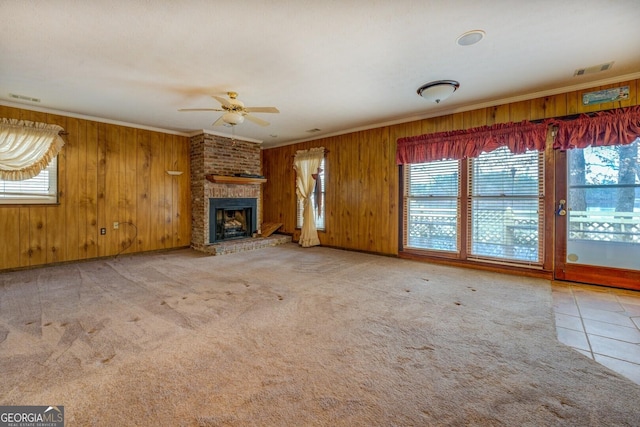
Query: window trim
[[540, 198], [404, 238], [464, 255]]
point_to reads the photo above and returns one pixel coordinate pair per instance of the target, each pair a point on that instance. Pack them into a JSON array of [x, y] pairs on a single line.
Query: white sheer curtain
[[306, 163], [26, 148]]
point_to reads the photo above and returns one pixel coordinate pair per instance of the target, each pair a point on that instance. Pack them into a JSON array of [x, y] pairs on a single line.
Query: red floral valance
[[613, 127], [455, 145]]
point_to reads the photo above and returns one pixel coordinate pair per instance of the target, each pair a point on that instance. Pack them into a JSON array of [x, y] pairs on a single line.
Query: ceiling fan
[[235, 111]]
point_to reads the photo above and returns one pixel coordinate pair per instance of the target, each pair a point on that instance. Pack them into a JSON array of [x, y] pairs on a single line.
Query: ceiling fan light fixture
[[235, 112], [439, 90], [232, 118]]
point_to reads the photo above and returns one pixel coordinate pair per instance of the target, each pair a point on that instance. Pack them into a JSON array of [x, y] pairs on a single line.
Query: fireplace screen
[[231, 219]]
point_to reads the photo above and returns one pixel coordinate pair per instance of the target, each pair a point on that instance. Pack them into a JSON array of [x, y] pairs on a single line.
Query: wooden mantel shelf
[[224, 179]]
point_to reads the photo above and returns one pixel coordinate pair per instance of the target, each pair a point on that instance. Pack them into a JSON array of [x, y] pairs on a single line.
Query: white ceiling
[[332, 65]]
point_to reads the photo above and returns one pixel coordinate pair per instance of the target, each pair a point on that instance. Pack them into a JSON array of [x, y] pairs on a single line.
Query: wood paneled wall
[[361, 189], [107, 173], [362, 185]]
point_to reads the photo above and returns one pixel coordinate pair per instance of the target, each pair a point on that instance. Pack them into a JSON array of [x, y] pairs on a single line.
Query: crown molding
[[478, 106], [87, 117]]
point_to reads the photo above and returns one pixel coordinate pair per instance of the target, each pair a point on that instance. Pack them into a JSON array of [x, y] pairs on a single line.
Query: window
[[432, 205], [318, 210], [28, 157], [506, 200], [41, 189], [504, 207]]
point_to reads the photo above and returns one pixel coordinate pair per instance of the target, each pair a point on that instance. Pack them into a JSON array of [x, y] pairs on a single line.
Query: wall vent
[[24, 98], [593, 69]]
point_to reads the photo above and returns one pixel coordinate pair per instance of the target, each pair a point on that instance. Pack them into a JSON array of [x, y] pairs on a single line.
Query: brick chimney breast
[[217, 155]]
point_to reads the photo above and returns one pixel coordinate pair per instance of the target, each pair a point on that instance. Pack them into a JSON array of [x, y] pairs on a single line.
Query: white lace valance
[[26, 148]]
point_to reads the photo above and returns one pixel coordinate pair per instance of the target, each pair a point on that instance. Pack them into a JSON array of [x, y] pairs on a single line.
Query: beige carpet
[[286, 336]]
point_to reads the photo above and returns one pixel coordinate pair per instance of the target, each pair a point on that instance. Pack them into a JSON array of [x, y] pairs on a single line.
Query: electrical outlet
[[103, 231], [115, 225]]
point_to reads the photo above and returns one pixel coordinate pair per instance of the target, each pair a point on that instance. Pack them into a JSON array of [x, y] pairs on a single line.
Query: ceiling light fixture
[[232, 118], [470, 37], [439, 90]]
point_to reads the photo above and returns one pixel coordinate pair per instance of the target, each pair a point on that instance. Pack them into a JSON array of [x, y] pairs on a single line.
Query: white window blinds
[[505, 201], [40, 189], [432, 205]]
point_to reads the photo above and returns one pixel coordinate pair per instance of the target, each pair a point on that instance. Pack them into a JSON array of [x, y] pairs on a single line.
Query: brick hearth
[[216, 155], [242, 245]]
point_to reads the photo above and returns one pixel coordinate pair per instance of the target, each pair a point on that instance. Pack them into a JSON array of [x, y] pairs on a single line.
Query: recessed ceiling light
[[470, 37]]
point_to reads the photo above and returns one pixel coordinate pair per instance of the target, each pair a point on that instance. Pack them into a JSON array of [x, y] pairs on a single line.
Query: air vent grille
[[24, 98], [594, 69]]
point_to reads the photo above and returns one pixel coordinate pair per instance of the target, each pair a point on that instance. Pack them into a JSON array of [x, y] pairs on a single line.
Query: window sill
[[23, 203], [533, 271]]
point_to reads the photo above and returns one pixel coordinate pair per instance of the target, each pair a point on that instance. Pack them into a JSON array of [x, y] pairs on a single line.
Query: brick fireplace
[[231, 219], [220, 156]]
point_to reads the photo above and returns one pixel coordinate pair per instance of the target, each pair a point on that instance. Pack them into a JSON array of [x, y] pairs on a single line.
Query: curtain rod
[[566, 118], [570, 117], [325, 153]]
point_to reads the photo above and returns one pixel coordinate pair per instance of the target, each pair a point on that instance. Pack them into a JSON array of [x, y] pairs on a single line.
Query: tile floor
[[601, 323]]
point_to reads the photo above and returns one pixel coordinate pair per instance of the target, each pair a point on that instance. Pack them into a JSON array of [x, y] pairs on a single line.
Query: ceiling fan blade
[[261, 110], [218, 122], [200, 109], [222, 101], [256, 120]]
